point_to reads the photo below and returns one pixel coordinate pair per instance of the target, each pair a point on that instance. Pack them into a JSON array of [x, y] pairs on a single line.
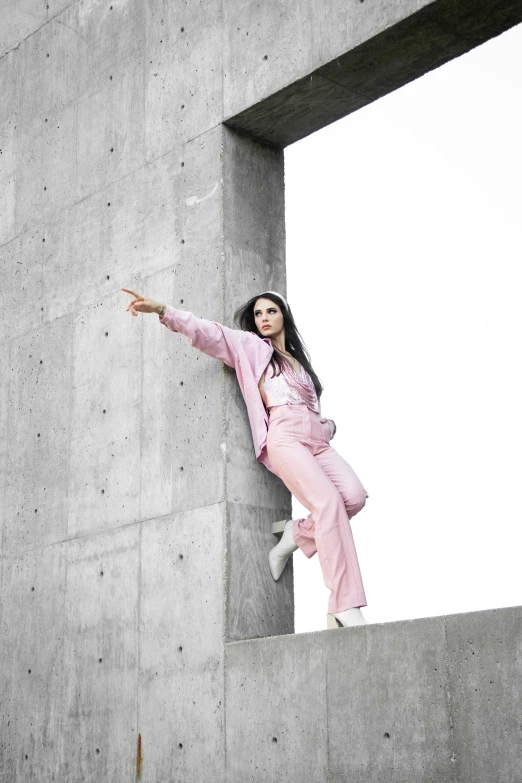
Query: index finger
[[129, 291]]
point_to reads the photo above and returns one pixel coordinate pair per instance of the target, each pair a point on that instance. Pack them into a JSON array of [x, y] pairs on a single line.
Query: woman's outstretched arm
[[209, 337]]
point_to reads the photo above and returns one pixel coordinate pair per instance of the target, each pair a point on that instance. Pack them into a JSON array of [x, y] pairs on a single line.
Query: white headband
[[277, 294]]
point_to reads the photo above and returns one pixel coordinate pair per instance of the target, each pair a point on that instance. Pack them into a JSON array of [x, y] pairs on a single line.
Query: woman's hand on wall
[[141, 304]]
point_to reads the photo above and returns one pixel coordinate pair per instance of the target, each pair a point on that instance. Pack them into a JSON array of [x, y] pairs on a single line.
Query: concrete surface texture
[[416, 701], [142, 146]]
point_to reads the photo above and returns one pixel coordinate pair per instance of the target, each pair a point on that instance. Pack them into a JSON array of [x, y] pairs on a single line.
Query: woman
[[291, 438]]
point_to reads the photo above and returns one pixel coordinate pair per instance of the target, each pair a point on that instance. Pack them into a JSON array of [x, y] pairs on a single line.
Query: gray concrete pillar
[[231, 224]]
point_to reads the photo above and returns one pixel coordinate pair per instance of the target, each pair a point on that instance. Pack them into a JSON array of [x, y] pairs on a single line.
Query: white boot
[[346, 619], [278, 556]]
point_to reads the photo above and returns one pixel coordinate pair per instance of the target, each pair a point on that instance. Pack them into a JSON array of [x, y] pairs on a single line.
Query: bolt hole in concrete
[[108, 277], [180, 745], [424, 317], [108, 203], [274, 739], [106, 334], [99, 660], [101, 573], [103, 492], [97, 750], [180, 649], [386, 735], [38, 435], [32, 589], [181, 557]]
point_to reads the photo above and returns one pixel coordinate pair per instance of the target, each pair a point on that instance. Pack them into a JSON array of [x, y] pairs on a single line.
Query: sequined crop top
[[288, 388]]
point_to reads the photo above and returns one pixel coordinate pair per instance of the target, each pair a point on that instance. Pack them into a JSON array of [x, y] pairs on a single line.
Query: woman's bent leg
[[349, 486], [304, 476]]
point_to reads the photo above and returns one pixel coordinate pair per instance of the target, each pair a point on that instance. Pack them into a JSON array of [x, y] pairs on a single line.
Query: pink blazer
[[246, 352]]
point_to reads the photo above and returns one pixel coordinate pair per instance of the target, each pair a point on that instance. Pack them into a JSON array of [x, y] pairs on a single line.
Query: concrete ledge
[[436, 699]]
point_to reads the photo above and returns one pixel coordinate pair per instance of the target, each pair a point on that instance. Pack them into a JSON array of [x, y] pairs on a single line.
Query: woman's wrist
[[161, 308]]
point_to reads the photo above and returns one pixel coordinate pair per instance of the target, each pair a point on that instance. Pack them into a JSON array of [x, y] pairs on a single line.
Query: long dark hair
[[294, 345]]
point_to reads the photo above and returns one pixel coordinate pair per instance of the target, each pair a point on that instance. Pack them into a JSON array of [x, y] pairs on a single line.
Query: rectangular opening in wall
[[404, 277]]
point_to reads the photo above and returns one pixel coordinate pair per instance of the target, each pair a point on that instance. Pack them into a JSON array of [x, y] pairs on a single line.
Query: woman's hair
[[294, 345]]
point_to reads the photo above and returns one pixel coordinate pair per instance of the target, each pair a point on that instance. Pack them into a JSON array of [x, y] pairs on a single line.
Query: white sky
[[404, 275]]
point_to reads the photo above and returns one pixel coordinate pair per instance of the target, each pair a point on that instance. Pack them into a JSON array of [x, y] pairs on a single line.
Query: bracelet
[[163, 309]]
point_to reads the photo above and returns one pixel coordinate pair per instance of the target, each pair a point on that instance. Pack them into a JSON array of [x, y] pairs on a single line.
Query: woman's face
[[269, 318]]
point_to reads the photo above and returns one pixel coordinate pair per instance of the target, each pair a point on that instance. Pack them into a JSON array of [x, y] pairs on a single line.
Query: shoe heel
[[278, 528], [332, 622]]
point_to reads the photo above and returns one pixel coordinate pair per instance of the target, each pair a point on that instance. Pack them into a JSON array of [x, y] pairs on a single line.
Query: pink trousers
[[324, 483]]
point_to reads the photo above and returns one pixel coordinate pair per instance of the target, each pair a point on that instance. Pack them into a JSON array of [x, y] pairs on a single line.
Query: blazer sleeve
[[211, 338]]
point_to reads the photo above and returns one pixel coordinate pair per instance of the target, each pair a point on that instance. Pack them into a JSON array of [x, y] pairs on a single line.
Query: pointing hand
[[142, 304]]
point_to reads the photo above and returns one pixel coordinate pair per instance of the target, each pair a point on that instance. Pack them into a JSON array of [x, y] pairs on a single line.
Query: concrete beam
[[379, 49]]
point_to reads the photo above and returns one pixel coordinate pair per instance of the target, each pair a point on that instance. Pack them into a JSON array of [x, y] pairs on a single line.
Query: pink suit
[[295, 446]]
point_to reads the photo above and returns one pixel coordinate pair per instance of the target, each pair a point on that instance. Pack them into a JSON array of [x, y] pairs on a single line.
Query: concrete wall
[[418, 701], [134, 520]]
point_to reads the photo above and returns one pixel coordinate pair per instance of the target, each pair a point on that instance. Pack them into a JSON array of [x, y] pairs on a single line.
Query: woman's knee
[[330, 503], [355, 503]]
